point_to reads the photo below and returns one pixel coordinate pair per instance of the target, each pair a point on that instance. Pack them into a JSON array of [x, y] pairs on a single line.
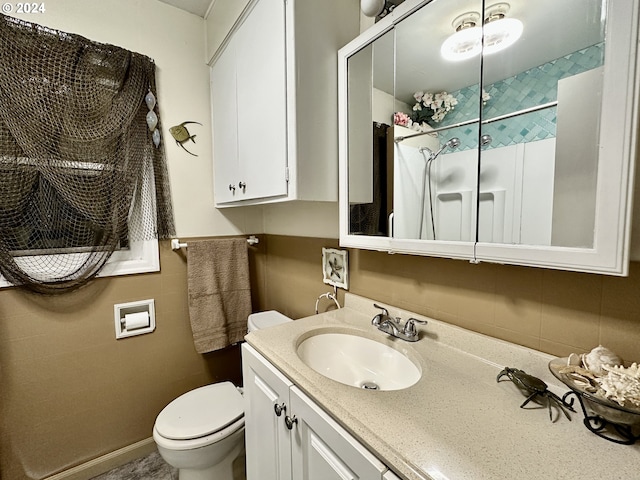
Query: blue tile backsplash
[[536, 86]]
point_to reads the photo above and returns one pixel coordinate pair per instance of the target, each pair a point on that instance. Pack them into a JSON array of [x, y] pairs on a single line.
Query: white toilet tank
[[266, 319]]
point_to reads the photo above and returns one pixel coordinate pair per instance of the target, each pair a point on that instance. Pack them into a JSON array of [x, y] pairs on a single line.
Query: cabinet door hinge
[[286, 174]]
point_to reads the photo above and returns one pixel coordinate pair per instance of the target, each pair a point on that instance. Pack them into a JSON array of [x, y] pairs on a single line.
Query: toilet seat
[[201, 416], [200, 442]]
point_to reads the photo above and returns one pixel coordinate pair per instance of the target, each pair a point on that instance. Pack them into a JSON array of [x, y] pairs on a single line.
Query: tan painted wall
[[70, 392], [553, 311]]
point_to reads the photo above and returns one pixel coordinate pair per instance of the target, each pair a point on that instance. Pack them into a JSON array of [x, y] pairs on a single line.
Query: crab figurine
[[533, 387]]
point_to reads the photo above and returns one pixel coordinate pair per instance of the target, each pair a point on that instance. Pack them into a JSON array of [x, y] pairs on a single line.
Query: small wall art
[[335, 267]]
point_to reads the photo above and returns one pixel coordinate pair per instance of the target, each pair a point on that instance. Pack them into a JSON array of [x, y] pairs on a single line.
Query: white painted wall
[[220, 18], [175, 40]]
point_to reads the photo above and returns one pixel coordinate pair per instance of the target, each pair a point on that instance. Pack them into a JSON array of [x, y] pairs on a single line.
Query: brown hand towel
[[219, 292]]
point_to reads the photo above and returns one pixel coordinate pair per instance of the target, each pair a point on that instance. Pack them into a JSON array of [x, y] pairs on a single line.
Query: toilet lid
[[270, 318], [201, 412]]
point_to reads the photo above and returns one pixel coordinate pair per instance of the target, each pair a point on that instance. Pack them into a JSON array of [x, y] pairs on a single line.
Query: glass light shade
[[462, 45], [467, 43], [501, 34], [371, 8]]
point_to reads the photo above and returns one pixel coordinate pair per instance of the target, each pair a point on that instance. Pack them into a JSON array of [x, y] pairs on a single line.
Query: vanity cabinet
[[274, 102], [288, 436], [512, 165]]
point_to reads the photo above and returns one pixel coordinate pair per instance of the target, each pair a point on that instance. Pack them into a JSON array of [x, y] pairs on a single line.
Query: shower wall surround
[[535, 86]]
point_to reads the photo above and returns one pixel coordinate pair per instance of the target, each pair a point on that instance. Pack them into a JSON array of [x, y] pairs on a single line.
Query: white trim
[[141, 257], [618, 139]]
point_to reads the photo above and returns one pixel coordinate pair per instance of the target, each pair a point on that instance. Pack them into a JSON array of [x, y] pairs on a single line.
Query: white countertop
[[457, 422]]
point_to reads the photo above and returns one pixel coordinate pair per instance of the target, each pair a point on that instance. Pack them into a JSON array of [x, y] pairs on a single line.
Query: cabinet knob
[[232, 188], [290, 421], [242, 185], [279, 409]]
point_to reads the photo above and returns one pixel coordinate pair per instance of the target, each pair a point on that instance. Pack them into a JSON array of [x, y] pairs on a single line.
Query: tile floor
[[151, 467]]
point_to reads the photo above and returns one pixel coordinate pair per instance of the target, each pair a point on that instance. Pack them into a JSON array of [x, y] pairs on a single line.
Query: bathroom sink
[[358, 361]]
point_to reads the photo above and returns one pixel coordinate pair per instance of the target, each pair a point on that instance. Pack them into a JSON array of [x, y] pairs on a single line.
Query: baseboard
[[103, 464]]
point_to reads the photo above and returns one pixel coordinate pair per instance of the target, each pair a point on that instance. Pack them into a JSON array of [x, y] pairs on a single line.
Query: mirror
[[497, 154], [435, 172], [538, 176]]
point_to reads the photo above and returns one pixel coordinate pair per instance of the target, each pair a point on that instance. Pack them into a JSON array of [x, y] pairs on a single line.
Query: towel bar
[[176, 245]]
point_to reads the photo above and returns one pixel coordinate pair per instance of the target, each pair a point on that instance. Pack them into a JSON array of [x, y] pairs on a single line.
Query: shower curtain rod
[[484, 122]]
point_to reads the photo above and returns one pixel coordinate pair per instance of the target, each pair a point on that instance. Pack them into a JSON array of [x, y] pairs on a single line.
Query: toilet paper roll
[[132, 321]]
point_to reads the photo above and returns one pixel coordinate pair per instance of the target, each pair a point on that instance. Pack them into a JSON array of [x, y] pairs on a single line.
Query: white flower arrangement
[[432, 106], [429, 108]]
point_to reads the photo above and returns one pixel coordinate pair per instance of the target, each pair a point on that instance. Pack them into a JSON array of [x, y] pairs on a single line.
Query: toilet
[[202, 431]]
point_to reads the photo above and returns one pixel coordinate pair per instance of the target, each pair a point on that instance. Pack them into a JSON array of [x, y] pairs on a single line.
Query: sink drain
[[370, 386]]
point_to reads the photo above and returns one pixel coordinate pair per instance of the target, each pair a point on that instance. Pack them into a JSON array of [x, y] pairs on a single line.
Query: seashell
[[574, 359], [621, 384], [150, 100], [155, 136], [152, 120], [598, 357], [570, 369], [583, 382]]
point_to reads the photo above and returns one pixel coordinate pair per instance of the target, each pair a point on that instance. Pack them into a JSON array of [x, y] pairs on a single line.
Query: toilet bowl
[[202, 431]]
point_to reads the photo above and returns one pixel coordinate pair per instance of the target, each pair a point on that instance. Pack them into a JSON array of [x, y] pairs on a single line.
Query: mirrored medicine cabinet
[[492, 131]]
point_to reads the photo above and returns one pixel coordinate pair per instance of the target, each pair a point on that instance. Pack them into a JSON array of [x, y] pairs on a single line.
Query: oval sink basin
[[358, 361]]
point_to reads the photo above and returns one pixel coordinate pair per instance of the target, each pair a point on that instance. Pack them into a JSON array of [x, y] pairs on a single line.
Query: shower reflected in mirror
[[430, 156]]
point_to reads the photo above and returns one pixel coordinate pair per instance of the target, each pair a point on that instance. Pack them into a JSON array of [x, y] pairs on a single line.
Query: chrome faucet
[[393, 326]]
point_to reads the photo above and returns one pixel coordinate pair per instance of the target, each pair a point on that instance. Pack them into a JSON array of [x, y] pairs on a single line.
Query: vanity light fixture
[[372, 8], [467, 41], [499, 33], [378, 8]]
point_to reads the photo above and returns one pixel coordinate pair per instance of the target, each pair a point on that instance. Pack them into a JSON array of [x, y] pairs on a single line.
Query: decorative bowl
[[594, 403]]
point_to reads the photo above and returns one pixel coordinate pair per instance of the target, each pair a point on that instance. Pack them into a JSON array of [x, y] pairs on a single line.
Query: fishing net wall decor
[[77, 156]]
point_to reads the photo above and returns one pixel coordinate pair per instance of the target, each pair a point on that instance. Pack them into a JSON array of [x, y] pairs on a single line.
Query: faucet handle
[[385, 312], [383, 315], [410, 327]]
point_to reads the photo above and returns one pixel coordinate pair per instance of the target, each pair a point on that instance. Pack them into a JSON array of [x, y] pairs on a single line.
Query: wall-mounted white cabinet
[[274, 102], [522, 170], [288, 436]]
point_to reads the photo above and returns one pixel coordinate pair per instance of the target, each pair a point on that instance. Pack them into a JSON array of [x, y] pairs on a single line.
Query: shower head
[[451, 143]]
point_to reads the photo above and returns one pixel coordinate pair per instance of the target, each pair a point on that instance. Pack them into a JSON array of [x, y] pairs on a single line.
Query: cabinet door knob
[[232, 188], [242, 185], [290, 421], [279, 409]]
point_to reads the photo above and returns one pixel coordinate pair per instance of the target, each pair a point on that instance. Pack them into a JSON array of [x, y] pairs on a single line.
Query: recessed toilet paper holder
[[134, 318]]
